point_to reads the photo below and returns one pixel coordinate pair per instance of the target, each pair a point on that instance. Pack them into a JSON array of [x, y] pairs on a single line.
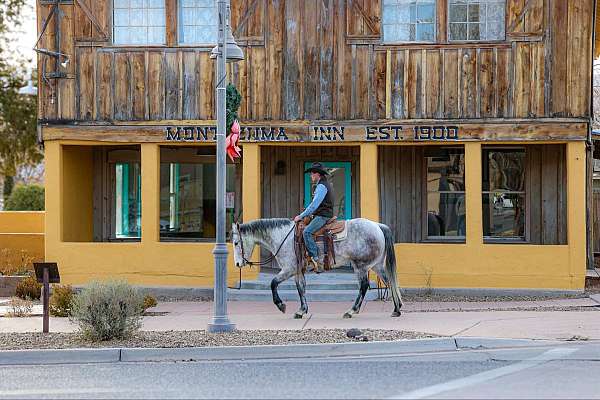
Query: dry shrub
[[19, 308], [29, 289], [149, 302], [61, 301], [110, 310], [15, 263]]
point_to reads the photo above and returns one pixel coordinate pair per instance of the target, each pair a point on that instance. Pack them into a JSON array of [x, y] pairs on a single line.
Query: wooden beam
[[171, 18], [92, 18], [384, 131]]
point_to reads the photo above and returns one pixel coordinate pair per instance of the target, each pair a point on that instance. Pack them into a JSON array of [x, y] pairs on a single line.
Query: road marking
[[553, 354]]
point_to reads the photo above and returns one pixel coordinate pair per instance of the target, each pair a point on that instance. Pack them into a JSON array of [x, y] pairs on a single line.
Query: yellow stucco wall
[[472, 264], [148, 262], [22, 231]]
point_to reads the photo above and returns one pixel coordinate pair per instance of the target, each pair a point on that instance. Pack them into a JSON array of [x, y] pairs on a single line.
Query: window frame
[[448, 40], [425, 238], [526, 239], [185, 159], [415, 42], [179, 27], [442, 28], [168, 20]]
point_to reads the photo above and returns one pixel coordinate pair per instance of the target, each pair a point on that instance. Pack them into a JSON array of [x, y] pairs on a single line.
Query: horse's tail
[[390, 264]]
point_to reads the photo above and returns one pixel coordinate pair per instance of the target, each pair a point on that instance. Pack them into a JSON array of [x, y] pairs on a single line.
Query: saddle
[[332, 231]]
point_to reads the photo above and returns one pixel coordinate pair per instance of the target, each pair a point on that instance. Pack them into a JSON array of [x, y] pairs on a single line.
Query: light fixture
[[233, 52], [56, 54]]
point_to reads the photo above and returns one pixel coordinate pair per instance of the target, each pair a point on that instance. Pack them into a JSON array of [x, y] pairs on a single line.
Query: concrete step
[[292, 295], [310, 286]]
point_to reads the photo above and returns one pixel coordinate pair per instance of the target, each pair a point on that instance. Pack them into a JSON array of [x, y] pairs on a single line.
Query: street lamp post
[[225, 51]]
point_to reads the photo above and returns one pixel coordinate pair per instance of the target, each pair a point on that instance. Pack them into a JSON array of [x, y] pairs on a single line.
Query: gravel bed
[[21, 341]]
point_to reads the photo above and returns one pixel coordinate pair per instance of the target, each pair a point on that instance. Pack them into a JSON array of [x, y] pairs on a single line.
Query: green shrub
[[26, 198], [61, 301], [29, 289], [110, 310], [149, 302]]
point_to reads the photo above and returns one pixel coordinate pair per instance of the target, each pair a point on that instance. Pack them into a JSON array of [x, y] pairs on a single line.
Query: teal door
[[340, 178]]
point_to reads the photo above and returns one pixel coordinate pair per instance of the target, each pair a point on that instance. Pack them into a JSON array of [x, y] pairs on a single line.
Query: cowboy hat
[[317, 167]]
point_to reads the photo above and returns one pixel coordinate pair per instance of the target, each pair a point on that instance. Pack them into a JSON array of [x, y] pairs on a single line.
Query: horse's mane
[[261, 227]]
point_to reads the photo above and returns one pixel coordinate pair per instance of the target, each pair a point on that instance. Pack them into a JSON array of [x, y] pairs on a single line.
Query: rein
[[269, 259]]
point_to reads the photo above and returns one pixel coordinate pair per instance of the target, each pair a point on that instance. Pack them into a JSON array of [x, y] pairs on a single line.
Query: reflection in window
[[476, 19], [128, 200], [503, 173], [408, 21], [188, 196], [139, 22], [446, 207], [198, 22]]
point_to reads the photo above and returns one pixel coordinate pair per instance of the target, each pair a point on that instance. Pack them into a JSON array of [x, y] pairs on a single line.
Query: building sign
[[317, 133]]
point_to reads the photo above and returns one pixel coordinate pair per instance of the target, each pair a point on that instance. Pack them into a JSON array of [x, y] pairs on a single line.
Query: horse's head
[[239, 257]]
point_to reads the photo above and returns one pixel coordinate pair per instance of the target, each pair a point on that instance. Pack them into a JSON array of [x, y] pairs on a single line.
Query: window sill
[[505, 241], [452, 45], [444, 241], [187, 240]]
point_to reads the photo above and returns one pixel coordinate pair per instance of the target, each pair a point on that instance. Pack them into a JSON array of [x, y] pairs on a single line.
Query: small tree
[[26, 198]]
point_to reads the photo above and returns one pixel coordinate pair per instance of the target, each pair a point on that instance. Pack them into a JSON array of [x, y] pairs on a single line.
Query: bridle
[[269, 259]]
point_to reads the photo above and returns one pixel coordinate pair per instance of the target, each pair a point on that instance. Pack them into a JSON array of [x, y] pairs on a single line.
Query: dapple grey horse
[[368, 245]]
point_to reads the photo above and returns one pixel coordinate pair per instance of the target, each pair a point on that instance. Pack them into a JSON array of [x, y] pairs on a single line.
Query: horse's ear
[[238, 219]]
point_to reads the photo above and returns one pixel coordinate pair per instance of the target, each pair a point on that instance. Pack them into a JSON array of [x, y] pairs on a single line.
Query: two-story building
[[461, 124]]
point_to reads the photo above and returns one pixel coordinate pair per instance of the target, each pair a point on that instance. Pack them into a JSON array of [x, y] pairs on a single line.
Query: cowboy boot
[[317, 265]]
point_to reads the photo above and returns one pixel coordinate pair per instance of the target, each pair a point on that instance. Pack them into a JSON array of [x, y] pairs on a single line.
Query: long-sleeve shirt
[[319, 195]]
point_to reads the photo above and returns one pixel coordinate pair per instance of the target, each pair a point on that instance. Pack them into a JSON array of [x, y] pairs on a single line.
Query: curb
[[113, 355], [59, 356]]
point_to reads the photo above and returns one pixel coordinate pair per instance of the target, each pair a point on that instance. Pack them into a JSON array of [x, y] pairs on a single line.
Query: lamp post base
[[220, 325]]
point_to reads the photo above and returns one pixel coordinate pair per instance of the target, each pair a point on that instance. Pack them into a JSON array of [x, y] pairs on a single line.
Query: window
[[408, 21], [198, 22], [446, 203], [503, 174], [127, 200], [139, 22], [476, 20], [188, 193]]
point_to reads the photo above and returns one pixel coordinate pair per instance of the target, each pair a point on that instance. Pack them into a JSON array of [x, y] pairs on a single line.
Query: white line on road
[[553, 354]]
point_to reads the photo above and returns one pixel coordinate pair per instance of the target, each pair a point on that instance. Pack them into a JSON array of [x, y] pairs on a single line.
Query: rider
[[321, 210]]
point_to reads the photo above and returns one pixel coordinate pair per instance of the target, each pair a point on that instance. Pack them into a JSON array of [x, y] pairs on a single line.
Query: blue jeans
[[316, 224]]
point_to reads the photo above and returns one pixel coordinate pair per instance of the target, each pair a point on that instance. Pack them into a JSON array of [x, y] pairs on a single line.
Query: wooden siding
[[323, 60], [401, 199], [283, 195]]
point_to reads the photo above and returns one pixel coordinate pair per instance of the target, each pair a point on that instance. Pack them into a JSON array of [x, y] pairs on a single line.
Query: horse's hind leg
[[363, 281], [380, 271], [301, 286], [283, 275]]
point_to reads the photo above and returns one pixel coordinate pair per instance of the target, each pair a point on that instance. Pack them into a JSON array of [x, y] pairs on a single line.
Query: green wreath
[[233, 100]]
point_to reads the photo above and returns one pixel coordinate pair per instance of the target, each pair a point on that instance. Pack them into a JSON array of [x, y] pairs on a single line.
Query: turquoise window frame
[[347, 166], [123, 170]]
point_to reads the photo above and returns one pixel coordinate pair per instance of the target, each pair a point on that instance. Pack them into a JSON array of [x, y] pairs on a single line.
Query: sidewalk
[[440, 318]]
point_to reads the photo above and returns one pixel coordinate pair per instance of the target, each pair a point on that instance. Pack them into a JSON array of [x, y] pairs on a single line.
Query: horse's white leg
[[283, 275], [363, 281], [301, 286], [380, 271]]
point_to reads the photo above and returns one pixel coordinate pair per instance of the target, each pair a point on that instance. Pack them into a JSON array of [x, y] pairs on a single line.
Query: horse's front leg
[[283, 275], [363, 281], [301, 286]]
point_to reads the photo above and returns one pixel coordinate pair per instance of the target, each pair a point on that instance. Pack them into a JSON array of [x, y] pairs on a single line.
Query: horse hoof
[[395, 314], [298, 315], [347, 315], [281, 307]]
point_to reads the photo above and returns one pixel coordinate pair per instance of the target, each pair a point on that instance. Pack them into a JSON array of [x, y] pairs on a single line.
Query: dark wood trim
[[171, 22]]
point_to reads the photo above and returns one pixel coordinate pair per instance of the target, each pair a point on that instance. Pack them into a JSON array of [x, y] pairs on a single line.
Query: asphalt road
[[569, 371]]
